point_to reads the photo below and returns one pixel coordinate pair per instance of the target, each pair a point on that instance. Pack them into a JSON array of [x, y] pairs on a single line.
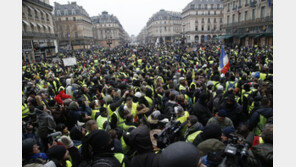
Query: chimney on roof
[[73, 3]]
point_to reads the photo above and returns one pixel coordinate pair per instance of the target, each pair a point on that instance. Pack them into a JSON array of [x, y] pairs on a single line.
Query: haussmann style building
[[107, 30], [248, 22], [164, 26], [73, 26], [39, 40], [202, 21]]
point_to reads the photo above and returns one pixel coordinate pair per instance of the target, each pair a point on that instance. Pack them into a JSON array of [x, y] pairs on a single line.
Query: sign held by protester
[[71, 61]]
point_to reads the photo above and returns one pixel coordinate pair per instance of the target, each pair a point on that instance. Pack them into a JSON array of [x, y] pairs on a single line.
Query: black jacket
[[149, 159], [234, 112], [202, 112], [255, 117]]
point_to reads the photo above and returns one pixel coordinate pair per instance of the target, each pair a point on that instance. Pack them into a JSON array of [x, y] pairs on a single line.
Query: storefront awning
[[258, 35], [268, 34], [227, 36], [242, 36]]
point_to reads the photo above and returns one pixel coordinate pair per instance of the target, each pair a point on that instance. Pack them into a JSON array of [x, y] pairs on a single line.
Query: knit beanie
[[211, 145], [211, 131], [228, 130]]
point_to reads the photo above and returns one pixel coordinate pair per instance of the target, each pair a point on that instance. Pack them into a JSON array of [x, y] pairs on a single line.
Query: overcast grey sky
[[132, 14]]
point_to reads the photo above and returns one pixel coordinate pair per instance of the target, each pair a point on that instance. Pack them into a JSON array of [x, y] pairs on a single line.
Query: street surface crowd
[[149, 106]]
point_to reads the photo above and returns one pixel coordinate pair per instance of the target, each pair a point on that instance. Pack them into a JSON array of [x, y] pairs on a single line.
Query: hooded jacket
[[255, 117], [201, 112]]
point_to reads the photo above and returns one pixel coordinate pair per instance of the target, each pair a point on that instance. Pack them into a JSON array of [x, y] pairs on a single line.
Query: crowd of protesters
[[116, 107]]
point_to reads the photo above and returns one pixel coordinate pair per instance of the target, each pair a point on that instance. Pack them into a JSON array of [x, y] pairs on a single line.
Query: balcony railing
[[249, 22], [37, 34]]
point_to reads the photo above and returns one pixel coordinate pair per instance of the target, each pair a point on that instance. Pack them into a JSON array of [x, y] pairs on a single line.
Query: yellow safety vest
[[100, 122], [149, 100], [25, 111], [120, 158], [190, 138], [93, 114], [183, 118]]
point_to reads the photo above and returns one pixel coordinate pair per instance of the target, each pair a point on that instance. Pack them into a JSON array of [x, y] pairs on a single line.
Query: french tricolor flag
[[224, 64]]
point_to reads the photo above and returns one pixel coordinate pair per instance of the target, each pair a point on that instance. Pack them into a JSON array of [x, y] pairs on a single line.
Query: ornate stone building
[[248, 22], [164, 26], [142, 36], [73, 25], [38, 37], [202, 20], [107, 30]]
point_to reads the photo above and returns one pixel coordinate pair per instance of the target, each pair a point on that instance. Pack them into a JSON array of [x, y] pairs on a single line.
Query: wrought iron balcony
[[39, 3], [37, 34]]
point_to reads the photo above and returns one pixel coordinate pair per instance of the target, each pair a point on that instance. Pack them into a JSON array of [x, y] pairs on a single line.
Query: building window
[[66, 12], [233, 17], [203, 20], [29, 12], [66, 18], [247, 2], [215, 12], [73, 12], [209, 13], [209, 20], [253, 14], [214, 28], [228, 19], [246, 15], [221, 20], [208, 28], [220, 28], [215, 21], [76, 34], [42, 16], [196, 28], [240, 3], [262, 11], [206, 6], [36, 14], [239, 17], [202, 28], [218, 6], [74, 18], [212, 6], [228, 7], [199, 6]]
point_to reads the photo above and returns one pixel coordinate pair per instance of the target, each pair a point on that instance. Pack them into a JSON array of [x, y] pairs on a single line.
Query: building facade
[[202, 20], [164, 26], [248, 22], [107, 30], [39, 40], [142, 36], [73, 26]]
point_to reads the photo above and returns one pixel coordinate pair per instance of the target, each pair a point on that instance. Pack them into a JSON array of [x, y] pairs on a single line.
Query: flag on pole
[[224, 64]]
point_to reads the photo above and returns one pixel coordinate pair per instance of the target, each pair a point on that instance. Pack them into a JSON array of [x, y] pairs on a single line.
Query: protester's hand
[[125, 93], [86, 117]]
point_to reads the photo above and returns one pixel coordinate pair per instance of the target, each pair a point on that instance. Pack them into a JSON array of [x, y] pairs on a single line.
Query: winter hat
[[179, 154], [99, 140], [65, 140], [138, 94], [56, 152], [210, 145], [210, 83], [75, 133], [220, 87], [27, 147], [140, 137], [228, 130], [212, 131], [153, 118], [257, 75], [73, 106], [222, 113]]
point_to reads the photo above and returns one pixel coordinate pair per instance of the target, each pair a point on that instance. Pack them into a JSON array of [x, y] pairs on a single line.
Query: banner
[[71, 61]]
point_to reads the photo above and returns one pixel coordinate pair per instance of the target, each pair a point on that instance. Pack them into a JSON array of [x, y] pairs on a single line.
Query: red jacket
[[61, 96]]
